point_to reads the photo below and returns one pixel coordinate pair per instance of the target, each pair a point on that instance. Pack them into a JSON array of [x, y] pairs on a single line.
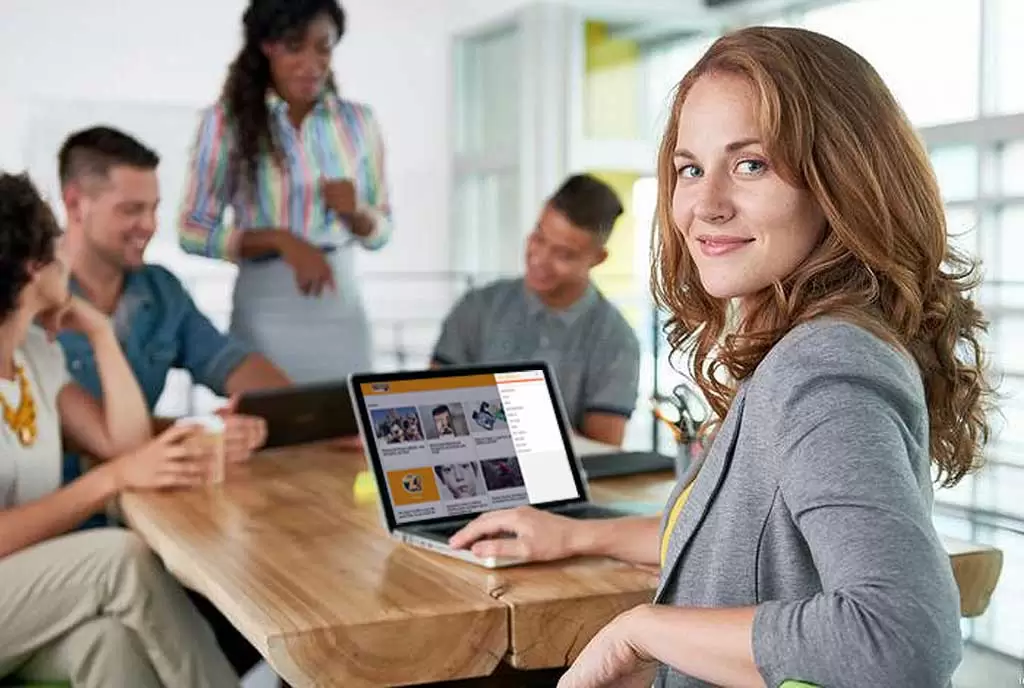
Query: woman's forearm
[[125, 414], [633, 540], [56, 513], [713, 645]]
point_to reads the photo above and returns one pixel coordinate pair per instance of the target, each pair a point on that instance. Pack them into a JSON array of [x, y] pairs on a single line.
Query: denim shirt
[[159, 328]]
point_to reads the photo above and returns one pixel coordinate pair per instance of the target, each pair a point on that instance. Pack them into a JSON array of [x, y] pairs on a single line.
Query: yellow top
[[673, 516]]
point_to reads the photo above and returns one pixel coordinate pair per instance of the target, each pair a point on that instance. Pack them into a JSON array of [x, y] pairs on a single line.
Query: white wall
[[469, 14], [395, 57]]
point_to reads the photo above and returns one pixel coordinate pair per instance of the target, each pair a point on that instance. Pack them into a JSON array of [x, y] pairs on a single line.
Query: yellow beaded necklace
[[22, 420]]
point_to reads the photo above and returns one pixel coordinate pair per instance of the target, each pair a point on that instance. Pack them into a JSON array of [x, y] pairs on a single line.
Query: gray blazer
[[814, 504]]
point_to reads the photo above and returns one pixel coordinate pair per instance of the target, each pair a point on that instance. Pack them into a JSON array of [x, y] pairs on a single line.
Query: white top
[[27, 473]]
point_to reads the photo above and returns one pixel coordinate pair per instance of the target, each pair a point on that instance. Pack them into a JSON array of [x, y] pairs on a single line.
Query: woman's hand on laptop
[[523, 533]]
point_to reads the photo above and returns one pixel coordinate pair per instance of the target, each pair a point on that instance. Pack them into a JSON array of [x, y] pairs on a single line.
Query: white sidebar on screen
[[535, 434]]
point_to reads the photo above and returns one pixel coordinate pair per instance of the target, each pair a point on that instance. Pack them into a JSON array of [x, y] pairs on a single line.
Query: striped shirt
[[338, 139]]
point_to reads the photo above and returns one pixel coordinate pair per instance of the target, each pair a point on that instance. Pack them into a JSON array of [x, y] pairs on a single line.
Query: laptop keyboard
[[582, 511], [590, 511], [446, 531], [443, 531]]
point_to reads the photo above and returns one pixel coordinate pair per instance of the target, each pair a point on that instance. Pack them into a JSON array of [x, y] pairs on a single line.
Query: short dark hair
[[438, 410], [28, 232], [95, 150], [588, 203]]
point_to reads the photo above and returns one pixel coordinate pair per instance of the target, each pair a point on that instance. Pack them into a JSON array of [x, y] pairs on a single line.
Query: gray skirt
[[311, 338]]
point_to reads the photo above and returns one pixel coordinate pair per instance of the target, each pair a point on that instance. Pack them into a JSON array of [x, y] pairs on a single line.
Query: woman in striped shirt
[[302, 171]]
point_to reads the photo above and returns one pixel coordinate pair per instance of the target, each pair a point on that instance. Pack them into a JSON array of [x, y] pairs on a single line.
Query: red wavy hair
[[831, 126]]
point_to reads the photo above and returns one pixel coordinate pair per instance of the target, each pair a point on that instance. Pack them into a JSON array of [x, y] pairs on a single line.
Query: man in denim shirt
[[110, 191]]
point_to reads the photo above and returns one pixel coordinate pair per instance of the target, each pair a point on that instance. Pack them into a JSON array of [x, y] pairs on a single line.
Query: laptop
[[446, 445], [302, 413]]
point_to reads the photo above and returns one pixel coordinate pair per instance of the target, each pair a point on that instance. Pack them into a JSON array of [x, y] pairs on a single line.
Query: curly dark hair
[[28, 233], [245, 89]]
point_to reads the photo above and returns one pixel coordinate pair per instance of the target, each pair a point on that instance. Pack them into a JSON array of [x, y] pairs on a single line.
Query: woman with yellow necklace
[[95, 608]]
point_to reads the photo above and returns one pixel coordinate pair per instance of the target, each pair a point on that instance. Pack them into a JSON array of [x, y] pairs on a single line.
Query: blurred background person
[[555, 313], [94, 608], [302, 169]]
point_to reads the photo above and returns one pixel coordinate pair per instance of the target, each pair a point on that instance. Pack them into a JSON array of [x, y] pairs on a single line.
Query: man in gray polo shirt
[[554, 313]]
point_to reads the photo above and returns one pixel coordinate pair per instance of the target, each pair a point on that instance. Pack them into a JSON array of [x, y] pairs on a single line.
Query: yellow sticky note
[[364, 488]]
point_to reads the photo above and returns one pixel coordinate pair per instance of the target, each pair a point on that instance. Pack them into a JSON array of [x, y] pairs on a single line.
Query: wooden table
[[310, 577]]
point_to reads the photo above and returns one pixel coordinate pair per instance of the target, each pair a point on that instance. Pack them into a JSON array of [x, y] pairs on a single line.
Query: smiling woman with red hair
[[802, 257]]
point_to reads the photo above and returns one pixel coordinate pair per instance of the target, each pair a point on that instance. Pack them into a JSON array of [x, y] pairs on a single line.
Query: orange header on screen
[[431, 384]]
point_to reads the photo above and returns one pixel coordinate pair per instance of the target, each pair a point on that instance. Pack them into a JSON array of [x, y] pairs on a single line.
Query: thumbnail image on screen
[[397, 425], [460, 480], [444, 421], [487, 416], [502, 474]]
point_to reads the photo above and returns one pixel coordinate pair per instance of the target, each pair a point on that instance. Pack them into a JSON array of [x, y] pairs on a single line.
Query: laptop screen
[[458, 445]]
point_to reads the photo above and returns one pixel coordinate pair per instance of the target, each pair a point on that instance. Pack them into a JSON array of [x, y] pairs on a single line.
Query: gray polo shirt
[[592, 350]]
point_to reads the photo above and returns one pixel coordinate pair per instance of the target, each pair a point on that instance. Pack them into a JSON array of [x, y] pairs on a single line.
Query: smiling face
[[560, 255], [117, 213], [744, 226], [395, 432], [300, 63], [443, 422]]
